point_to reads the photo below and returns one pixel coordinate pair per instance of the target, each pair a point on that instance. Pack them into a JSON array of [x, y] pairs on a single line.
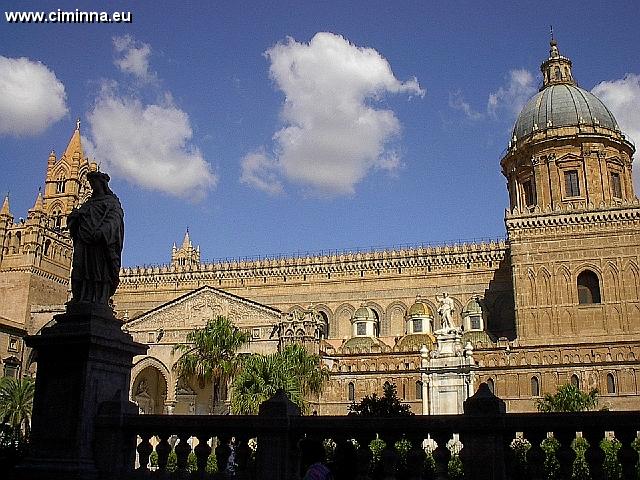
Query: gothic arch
[[631, 281], [532, 287], [544, 284], [393, 323], [158, 365], [610, 283], [341, 321], [564, 285]]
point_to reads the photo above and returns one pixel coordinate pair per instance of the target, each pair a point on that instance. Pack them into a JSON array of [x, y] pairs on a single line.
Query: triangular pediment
[[194, 309]]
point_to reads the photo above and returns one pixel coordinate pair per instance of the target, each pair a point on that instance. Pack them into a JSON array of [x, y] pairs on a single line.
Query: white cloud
[[260, 171], [622, 97], [148, 144], [133, 57], [511, 97], [332, 136], [457, 102], [31, 97]]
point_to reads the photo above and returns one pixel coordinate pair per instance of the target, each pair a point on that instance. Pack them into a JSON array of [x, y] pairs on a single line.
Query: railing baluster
[[144, 451], [163, 449], [627, 455], [565, 453], [594, 454], [441, 454], [182, 451], [535, 455], [202, 452]]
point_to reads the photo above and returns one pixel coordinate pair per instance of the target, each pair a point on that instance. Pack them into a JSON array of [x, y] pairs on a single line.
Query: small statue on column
[[97, 231]]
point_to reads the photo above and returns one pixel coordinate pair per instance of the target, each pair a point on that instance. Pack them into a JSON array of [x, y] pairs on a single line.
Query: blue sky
[[284, 127]]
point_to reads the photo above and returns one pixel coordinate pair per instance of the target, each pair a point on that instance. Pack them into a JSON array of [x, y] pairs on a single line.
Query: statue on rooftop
[[97, 231], [445, 310]]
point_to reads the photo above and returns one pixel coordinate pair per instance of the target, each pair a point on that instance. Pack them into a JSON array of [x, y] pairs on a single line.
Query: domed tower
[[566, 149], [574, 222]]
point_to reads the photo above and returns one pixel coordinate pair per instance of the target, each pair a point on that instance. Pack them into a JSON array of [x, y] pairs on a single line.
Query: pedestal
[[84, 361]]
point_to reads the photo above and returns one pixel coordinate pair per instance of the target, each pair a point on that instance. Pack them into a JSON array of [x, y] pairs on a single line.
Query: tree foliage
[[293, 370], [16, 404], [388, 405], [568, 398], [210, 353]]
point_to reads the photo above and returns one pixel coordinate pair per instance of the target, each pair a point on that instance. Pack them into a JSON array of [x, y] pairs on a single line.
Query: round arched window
[[588, 288]]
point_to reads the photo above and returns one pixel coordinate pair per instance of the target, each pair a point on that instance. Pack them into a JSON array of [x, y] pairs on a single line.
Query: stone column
[[483, 447], [84, 364], [277, 457]]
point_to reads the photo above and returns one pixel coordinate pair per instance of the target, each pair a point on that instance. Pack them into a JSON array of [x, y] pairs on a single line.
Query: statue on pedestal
[[446, 311], [97, 231]]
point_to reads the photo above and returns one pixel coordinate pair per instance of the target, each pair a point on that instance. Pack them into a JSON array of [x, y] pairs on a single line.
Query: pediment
[[194, 309]]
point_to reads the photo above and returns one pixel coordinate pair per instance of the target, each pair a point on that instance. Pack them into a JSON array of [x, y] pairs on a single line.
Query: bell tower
[[66, 183]]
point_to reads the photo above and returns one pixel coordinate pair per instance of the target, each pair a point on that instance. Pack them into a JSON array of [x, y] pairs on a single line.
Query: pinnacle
[[75, 144], [5, 206]]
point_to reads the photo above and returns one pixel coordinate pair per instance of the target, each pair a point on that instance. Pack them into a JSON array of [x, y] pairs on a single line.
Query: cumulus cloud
[[332, 135], [148, 144], [31, 97], [133, 57], [622, 97], [511, 97]]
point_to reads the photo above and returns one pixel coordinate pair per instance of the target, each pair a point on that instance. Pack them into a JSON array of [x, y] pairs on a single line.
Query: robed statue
[[97, 231]]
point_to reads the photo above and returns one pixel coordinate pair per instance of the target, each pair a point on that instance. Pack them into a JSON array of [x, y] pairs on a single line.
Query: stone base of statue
[[447, 374], [84, 366]]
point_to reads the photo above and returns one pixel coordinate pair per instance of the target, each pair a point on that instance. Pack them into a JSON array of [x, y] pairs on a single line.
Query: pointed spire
[[75, 144], [38, 206], [187, 241], [5, 206]]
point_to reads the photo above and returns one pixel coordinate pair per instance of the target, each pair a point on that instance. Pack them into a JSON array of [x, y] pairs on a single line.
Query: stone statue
[[445, 310], [97, 231]]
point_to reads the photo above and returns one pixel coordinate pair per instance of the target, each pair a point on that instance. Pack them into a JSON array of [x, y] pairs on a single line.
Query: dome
[[420, 309], [414, 342], [562, 105], [364, 313]]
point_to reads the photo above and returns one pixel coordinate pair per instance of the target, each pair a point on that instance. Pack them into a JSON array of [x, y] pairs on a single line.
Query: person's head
[[99, 182]]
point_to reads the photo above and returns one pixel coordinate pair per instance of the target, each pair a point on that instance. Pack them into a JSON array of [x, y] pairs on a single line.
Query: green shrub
[[611, 467], [377, 446], [212, 464], [192, 463], [580, 469], [172, 462], [455, 468], [551, 464], [153, 459]]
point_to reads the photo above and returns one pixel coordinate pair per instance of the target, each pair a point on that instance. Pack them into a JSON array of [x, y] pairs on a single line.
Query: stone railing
[[482, 439]]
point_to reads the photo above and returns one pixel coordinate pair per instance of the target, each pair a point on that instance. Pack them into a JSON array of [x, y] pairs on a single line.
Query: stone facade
[[557, 301]]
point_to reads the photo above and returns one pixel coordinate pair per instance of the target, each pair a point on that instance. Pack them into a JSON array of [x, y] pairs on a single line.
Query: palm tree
[[260, 378], [210, 354], [16, 404], [292, 369]]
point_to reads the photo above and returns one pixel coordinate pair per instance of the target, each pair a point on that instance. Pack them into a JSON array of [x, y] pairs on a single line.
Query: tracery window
[[571, 183], [575, 381], [588, 288], [361, 328], [351, 392], [529, 193], [535, 387], [419, 386], [60, 184], [611, 383], [616, 186]]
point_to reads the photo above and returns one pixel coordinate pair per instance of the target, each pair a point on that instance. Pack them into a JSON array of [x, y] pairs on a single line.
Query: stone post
[[84, 364], [483, 446], [277, 450]]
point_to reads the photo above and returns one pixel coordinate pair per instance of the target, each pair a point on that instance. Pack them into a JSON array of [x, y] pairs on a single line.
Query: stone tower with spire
[[186, 255], [35, 253]]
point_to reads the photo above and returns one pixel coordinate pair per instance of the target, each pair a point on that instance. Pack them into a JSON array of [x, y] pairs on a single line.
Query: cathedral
[[557, 302]]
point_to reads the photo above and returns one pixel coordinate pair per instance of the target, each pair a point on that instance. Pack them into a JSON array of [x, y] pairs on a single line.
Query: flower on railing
[[611, 466], [580, 465], [550, 446]]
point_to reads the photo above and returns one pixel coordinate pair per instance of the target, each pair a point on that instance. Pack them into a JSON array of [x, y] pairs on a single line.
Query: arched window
[[419, 385], [535, 387], [491, 385], [351, 392], [60, 183], [47, 245], [611, 383], [575, 381], [324, 321], [588, 288]]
